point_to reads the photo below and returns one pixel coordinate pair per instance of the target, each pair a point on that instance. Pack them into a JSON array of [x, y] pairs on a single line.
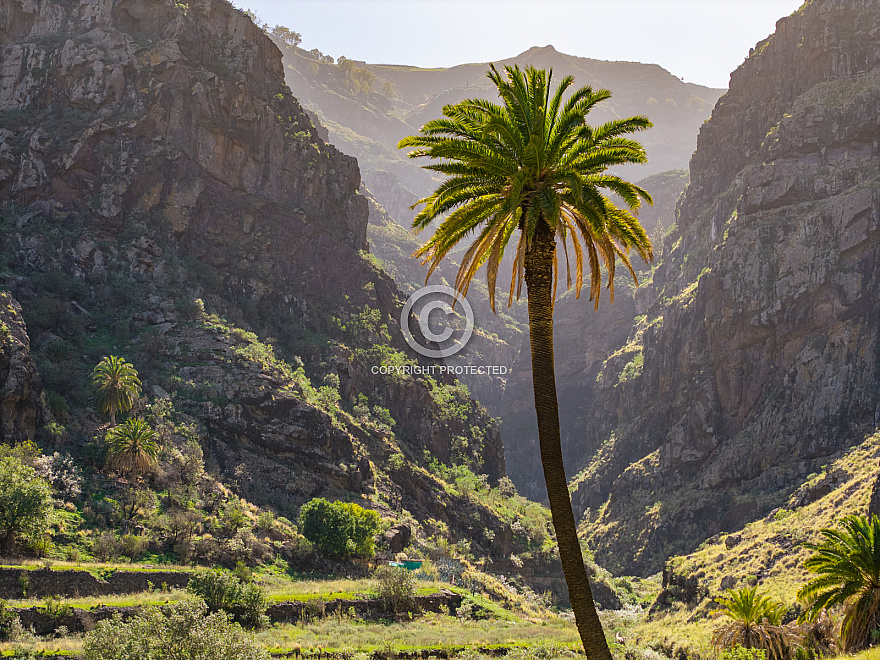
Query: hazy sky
[[699, 40]]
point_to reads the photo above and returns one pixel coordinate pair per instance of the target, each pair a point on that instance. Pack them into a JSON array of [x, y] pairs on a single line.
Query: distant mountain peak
[[541, 50]]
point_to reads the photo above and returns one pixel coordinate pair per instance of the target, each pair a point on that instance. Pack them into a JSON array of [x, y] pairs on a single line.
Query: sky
[[701, 41]]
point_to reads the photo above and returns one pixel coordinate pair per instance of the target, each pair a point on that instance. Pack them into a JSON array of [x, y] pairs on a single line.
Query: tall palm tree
[[117, 384], [533, 167], [755, 623], [847, 563], [132, 446]]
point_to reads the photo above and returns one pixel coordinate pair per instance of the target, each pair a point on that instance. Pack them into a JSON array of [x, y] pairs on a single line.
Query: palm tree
[[848, 565], [133, 447], [532, 166], [117, 383], [755, 623]]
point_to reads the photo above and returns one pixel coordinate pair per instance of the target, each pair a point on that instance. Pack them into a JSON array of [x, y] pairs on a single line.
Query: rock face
[[154, 165], [21, 411], [751, 352]]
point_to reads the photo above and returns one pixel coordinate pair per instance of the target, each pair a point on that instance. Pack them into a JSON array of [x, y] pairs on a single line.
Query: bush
[[396, 587], [339, 529], [184, 632], [225, 592], [743, 653], [7, 622], [134, 546], [55, 608], [26, 503]]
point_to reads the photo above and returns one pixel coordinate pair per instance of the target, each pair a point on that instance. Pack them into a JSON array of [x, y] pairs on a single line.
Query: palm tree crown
[[847, 563], [132, 446], [117, 383], [532, 166], [532, 159]]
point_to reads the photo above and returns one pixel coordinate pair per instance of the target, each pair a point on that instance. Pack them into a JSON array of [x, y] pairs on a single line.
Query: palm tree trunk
[[539, 281]]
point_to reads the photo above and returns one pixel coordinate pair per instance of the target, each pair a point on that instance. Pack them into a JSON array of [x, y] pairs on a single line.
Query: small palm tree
[[132, 446], [755, 623], [533, 174], [117, 383], [848, 565]]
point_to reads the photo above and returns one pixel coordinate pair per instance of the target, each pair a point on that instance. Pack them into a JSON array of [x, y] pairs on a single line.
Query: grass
[[123, 600], [343, 632], [96, 567], [430, 630]]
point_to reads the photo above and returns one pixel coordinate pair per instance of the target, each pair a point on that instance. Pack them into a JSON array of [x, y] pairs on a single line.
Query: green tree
[[362, 531], [132, 446], [183, 632], [754, 623], [117, 384], [287, 35], [339, 529], [533, 167], [25, 502], [847, 563]]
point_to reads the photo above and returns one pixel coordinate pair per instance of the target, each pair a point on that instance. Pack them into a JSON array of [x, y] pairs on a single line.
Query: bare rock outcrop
[[21, 410]]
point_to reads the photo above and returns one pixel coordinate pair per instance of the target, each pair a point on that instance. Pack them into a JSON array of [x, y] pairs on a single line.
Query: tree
[[847, 563], [25, 502], [132, 446], [117, 383], [339, 529], [287, 35], [184, 631], [755, 623], [532, 166]]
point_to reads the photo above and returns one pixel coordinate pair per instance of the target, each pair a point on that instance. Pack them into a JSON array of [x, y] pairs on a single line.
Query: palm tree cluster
[[132, 447], [531, 171]]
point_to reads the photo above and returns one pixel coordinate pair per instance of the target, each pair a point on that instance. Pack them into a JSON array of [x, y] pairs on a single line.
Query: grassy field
[[431, 630]]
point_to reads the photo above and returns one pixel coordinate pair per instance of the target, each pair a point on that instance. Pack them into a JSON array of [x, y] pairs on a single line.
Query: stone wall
[[80, 620], [21, 582]]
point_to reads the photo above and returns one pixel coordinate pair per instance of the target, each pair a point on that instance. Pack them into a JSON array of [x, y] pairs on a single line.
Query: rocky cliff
[[750, 353], [21, 410], [158, 182]]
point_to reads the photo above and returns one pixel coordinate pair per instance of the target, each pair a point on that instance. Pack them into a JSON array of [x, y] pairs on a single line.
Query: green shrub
[[7, 622], [396, 587], [225, 592], [184, 632], [25, 503], [339, 529], [743, 653], [55, 608]]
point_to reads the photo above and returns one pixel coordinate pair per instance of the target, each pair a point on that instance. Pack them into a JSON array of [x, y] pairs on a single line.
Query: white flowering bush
[[60, 471], [184, 631]]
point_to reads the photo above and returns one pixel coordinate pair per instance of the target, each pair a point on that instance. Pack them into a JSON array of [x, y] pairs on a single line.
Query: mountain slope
[[751, 351], [165, 198], [367, 122]]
